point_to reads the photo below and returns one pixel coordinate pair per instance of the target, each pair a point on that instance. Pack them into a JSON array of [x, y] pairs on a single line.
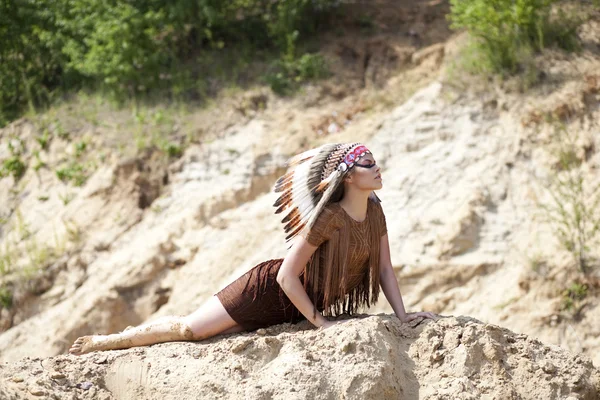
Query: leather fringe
[[330, 285]]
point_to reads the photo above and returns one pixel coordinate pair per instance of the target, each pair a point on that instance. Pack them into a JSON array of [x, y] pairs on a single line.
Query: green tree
[[508, 30]]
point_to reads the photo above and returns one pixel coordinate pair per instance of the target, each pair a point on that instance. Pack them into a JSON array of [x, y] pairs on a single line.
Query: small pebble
[[85, 385], [333, 128], [36, 391], [101, 359], [261, 332], [57, 375]]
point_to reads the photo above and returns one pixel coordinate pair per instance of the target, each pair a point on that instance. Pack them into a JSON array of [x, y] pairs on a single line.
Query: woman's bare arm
[[387, 279], [288, 278], [389, 284]]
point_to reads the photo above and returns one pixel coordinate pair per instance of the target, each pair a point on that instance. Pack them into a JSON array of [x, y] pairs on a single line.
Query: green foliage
[[29, 64], [290, 70], [507, 32], [573, 296], [311, 66], [43, 139], [7, 257], [66, 198], [73, 172], [173, 150], [39, 164], [80, 148], [6, 297], [13, 165], [573, 210], [21, 226], [133, 48], [39, 255]]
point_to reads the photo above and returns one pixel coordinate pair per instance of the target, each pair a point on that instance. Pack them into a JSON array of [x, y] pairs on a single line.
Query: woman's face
[[366, 174]]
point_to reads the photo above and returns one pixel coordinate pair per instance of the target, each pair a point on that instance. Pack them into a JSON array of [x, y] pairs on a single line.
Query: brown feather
[[323, 185], [284, 186], [292, 223], [295, 232], [291, 215], [282, 208], [283, 199], [317, 165], [285, 176], [284, 179]]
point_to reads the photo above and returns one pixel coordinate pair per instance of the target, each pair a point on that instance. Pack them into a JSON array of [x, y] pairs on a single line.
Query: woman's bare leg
[[209, 320]]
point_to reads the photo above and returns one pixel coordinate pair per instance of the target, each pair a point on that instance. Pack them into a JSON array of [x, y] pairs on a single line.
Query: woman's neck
[[355, 204]]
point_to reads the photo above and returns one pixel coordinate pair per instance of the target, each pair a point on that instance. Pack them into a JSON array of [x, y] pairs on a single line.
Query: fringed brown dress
[[341, 276]]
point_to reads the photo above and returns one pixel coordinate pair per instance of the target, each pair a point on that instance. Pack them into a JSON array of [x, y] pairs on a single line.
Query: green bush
[[13, 165], [312, 66], [72, 172], [507, 32], [575, 201], [173, 150], [30, 64], [573, 296], [6, 297], [80, 148], [132, 48], [290, 70]]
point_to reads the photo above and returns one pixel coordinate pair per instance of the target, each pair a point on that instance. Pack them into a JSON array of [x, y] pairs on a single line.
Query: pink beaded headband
[[352, 157]]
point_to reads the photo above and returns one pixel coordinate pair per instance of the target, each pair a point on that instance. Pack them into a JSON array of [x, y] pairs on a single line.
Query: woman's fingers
[[421, 314], [428, 315]]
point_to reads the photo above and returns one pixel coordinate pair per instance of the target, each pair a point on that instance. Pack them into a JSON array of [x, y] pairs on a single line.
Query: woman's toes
[[78, 344], [75, 349]]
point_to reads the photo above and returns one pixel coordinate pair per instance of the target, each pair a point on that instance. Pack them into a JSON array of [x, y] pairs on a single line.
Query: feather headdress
[[310, 182]]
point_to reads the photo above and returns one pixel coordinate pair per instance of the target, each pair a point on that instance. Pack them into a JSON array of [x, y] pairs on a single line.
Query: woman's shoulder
[[328, 221], [332, 214], [374, 205]]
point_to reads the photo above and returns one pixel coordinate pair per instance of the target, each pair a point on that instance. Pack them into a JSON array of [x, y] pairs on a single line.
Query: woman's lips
[[378, 177]]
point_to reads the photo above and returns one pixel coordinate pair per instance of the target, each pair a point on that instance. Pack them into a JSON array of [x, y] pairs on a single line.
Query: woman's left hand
[[414, 315]]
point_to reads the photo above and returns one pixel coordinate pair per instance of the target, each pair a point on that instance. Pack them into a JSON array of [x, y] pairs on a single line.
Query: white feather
[[300, 191], [302, 157]]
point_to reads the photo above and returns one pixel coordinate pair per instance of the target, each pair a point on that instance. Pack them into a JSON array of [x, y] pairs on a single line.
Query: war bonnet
[[312, 178]]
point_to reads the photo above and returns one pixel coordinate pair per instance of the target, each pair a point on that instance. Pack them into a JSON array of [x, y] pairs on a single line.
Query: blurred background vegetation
[[146, 47], [155, 48]]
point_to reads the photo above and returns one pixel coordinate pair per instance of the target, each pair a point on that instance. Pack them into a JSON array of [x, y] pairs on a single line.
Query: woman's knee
[[209, 320], [191, 330]]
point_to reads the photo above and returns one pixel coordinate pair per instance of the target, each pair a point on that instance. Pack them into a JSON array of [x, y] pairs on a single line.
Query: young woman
[[338, 260]]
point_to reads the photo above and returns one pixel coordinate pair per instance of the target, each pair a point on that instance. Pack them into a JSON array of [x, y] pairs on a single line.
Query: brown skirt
[[255, 300]]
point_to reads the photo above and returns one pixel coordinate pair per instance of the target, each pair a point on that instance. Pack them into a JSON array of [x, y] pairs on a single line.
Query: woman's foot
[[85, 344]]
